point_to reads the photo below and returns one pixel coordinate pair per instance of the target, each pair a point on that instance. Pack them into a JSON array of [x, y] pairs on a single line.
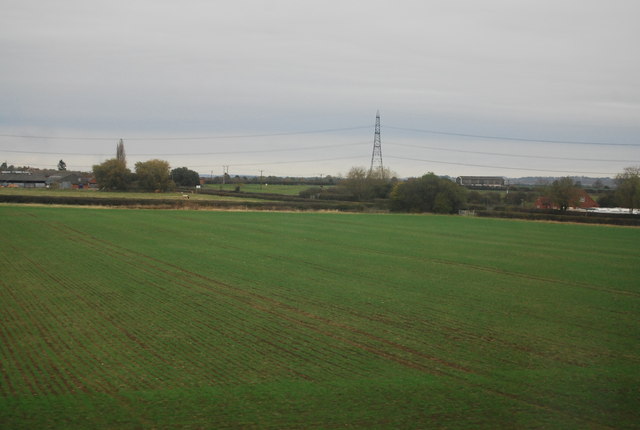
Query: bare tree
[[628, 188]]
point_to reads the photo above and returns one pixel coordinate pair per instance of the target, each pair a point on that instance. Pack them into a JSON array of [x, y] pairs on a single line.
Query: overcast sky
[[291, 88]]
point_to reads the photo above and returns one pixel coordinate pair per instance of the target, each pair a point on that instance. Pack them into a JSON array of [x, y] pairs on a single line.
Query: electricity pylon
[[376, 156]]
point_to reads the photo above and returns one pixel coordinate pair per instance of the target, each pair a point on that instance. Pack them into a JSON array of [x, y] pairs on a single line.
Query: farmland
[[117, 318], [288, 190], [93, 194]]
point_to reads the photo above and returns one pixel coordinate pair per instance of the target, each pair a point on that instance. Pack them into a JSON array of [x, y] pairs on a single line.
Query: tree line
[[565, 192], [152, 175], [431, 193], [428, 193]]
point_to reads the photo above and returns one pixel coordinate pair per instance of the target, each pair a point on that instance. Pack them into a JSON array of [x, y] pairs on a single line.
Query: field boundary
[[267, 205], [627, 220]]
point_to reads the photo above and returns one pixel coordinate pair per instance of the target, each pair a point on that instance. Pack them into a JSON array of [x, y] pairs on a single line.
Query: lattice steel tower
[[376, 156]]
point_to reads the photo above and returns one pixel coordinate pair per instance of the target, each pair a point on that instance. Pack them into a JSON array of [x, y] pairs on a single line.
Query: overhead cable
[[230, 136], [501, 154], [498, 167], [516, 139], [302, 148]]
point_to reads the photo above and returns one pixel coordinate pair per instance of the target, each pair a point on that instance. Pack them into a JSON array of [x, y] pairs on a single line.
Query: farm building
[[480, 181], [68, 181], [22, 179], [584, 202]]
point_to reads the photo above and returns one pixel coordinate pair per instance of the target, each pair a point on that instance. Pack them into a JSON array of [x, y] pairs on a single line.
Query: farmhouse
[[21, 179], [584, 202], [480, 181]]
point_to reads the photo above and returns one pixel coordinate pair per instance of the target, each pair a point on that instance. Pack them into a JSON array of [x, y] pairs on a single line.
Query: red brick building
[[585, 202]]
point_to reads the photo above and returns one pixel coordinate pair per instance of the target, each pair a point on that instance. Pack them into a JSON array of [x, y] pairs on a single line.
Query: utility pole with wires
[[376, 156]]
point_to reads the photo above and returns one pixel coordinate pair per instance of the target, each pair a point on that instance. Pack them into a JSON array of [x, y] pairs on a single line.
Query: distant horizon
[[284, 145], [532, 178]]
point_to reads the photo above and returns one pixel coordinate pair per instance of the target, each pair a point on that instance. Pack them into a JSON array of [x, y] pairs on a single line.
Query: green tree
[[153, 175], [112, 175], [608, 200], [475, 197], [516, 198], [184, 177], [628, 188], [429, 193], [563, 193]]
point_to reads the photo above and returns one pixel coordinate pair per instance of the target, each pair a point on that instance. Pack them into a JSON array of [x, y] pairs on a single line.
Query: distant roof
[[482, 177], [74, 178], [22, 177]]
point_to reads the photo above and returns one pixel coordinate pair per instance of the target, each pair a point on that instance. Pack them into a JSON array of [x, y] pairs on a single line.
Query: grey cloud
[[528, 68]]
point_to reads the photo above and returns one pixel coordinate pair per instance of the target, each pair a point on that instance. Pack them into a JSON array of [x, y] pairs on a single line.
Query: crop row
[[230, 318], [114, 303]]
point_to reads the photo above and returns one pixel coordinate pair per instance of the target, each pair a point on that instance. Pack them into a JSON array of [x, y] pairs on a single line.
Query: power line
[[345, 158], [499, 167], [300, 132], [502, 154], [328, 130], [191, 153], [286, 162], [544, 157], [13, 151], [231, 136], [516, 139], [255, 164], [292, 149], [388, 156]]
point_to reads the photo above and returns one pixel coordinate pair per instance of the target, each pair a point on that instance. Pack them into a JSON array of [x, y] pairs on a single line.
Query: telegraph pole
[[376, 156], [225, 172]]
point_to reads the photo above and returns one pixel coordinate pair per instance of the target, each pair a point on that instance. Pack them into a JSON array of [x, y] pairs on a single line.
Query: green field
[[287, 190], [173, 195], [128, 319]]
